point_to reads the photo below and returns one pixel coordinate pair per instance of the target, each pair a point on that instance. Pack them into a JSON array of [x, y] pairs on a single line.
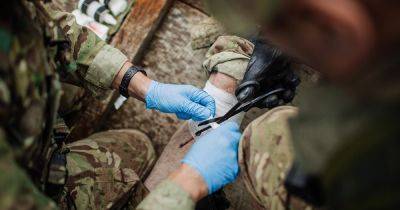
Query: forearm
[[190, 181], [180, 191], [140, 83]]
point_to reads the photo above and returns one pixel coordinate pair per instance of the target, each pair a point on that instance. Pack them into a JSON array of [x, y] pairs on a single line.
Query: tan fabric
[[105, 66], [229, 55], [265, 156]]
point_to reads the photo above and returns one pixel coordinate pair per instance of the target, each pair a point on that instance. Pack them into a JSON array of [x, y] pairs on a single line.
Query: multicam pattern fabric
[[38, 46], [84, 56], [167, 196], [29, 100], [71, 99], [17, 190], [229, 55], [105, 168], [265, 156]]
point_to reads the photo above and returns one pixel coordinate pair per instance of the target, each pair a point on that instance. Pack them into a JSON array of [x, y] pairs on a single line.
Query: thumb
[[196, 111]]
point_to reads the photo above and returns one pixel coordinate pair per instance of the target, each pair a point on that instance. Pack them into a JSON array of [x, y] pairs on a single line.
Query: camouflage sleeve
[[17, 191], [89, 59], [229, 55], [168, 196]]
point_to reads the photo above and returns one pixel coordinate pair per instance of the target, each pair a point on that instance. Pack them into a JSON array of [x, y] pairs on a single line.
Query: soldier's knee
[[132, 146], [112, 163], [106, 168]]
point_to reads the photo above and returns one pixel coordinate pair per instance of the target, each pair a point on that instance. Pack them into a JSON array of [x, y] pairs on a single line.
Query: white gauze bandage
[[224, 101]]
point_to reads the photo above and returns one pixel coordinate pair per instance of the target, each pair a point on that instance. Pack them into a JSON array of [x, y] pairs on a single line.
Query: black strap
[[85, 5], [58, 161], [98, 12], [107, 2], [123, 87]]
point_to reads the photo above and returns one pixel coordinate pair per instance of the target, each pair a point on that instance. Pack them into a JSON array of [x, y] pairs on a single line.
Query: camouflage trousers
[[105, 170], [265, 156]]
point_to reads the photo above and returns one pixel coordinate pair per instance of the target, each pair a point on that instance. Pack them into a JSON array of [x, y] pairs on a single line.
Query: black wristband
[[123, 87]]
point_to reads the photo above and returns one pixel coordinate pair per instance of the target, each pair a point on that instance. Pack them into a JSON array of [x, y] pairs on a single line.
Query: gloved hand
[[268, 70], [215, 156], [186, 101]]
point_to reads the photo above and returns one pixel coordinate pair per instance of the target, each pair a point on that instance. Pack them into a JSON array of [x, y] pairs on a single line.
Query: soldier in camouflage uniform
[[229, 55], [344, 141], [97, 165], [40, 46]]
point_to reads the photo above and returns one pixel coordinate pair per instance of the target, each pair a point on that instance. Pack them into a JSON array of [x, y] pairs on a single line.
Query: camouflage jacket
[[39, 45]]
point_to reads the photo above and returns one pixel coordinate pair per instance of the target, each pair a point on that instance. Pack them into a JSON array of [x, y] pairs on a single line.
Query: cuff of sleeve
[[167, 195], [105, 66], [230, 63]]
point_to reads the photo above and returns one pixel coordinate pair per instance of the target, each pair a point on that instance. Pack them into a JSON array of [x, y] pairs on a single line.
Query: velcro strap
[[85, 5], [107, 2], [98, 13], [57, 174]]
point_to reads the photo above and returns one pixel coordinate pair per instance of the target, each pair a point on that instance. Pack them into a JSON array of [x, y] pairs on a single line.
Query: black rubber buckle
[[123, 87]]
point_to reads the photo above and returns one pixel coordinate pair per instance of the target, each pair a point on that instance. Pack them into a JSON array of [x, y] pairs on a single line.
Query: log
[[139, 26], [197, 4]]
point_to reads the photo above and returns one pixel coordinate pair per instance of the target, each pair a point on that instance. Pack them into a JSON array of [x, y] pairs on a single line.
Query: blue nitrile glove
[[215, 156], [186, 101]]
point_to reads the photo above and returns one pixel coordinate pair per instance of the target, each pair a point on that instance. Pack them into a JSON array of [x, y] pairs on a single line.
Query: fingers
[[196, 111], [183, 116], [203, 98], [207, 101]]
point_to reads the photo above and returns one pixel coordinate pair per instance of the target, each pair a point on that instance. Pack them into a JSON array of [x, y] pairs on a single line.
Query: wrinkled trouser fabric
[[106, 170]]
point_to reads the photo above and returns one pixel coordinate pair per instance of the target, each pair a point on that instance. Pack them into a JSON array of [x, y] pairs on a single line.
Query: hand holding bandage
[[186, 101]]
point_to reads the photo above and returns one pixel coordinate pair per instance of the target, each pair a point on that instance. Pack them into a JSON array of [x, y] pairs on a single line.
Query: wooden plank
[[139, 26], [197, 4], [132, 39]]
